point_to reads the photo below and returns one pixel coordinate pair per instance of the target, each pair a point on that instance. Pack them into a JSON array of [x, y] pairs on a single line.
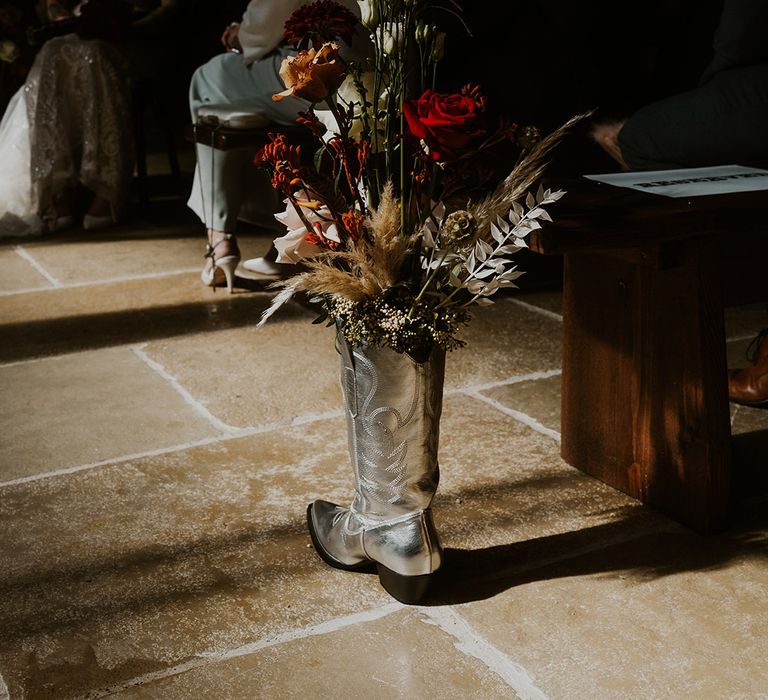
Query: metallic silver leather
[[393, 406], [340, 536]]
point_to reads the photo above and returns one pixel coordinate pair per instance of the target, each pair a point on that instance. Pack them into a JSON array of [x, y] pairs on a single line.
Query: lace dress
[[69, 124]]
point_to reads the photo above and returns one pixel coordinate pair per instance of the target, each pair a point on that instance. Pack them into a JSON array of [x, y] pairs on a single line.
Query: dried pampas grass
[[375, 262], [530, 168], [387, 248], [372, 265]]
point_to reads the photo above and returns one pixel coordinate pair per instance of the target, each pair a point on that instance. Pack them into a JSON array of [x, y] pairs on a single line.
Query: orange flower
[[353, 223], [318, 238], [363, 152], [285, 162], [312, 75]]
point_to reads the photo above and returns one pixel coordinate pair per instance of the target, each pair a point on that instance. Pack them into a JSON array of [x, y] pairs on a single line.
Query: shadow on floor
[[49, 337], [91, 331], [637, 544], [609, 549]]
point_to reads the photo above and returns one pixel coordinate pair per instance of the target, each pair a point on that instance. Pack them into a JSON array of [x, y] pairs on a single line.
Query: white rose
[[392, 37], [369, 13]]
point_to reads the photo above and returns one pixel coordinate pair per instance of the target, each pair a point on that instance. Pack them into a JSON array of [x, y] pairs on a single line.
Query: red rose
[[448, 124]]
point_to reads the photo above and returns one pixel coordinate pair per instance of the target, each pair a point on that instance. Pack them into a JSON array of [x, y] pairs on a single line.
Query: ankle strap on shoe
[[210, 248]]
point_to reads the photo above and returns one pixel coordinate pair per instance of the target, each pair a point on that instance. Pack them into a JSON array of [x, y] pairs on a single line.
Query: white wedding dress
[[18, 208], [68, 125]]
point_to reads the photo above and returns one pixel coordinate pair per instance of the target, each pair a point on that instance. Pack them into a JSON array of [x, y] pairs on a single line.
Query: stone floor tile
[[663, 615], [503, 484], [106, 256], [130, 250], [539, 399], [252, 376], [291, 357], [84, 408], [401, 655], [744, 321], [744, 419], [46, 323], [127, 571], [206, 549], [747, 420], [736, 352], [549, 300], [504, 340], [18, 273], [55, 305]]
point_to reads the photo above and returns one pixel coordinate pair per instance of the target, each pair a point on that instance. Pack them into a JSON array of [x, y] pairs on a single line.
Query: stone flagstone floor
[[157, 454]]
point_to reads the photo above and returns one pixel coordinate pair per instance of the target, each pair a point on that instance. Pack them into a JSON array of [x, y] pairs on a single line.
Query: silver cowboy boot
[[393, 415]]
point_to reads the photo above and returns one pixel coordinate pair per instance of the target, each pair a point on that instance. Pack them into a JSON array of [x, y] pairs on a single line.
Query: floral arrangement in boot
[[402, 223]]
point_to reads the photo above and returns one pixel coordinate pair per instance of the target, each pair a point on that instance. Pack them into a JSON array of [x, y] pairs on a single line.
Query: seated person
[[721, 122], [69, 125], [246, 76]]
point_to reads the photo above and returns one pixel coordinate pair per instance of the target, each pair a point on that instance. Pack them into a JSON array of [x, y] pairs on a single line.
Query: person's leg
[[219, 185], [80, 124]]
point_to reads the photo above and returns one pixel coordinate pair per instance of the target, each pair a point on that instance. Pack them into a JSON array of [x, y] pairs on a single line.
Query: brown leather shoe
[[749, 386]]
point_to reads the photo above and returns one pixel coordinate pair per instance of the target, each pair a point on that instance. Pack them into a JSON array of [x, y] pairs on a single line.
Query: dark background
[[547, 60], [543, 62], [537, 62]]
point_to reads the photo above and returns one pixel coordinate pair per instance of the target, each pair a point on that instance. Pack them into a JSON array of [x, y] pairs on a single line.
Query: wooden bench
[[646, 279]]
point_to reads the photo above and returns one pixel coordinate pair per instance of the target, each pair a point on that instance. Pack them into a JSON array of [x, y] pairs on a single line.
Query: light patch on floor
[[470, 643]]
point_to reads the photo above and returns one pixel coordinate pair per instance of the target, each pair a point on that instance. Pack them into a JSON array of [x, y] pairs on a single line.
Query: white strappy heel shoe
[[210, 276]]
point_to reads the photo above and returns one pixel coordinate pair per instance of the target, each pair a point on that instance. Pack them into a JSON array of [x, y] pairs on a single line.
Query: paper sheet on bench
[[690, 182]]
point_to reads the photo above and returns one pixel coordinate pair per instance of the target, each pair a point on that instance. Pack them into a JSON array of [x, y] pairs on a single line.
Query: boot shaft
[[393, 406]]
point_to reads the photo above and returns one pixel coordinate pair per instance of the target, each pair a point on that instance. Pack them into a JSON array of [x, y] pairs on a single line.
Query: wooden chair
[[226, 127]]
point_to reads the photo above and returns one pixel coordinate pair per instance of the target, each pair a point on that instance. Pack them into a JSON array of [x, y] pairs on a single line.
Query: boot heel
[[407, 589]]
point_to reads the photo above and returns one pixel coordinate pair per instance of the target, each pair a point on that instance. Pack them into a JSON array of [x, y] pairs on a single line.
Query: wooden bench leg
[[645, 406]]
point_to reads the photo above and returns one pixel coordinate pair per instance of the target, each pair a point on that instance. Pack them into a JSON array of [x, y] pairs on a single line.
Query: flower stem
[[344, 134], [402, 167], [302, 215], [427, 282]]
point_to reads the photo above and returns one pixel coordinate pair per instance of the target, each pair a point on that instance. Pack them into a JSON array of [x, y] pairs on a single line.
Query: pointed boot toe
[[337, 545]]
